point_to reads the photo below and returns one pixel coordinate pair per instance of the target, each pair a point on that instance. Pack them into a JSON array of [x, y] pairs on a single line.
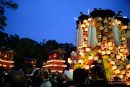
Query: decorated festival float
[[6, 59], [55, 62], [103, 39]]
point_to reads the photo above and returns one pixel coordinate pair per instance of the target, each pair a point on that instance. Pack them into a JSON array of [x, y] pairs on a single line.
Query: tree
[[5, 4]]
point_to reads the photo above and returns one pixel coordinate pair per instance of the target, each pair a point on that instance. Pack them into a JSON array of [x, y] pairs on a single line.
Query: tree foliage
[[26, 48], [5, 4]]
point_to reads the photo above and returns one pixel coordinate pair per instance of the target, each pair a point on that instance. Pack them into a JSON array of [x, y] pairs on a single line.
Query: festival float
[[103, 38], [55, 62], [6, 59]]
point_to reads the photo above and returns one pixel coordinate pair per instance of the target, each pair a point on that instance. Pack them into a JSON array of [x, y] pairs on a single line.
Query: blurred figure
[[98, 77], [80, 77], [36, 80], [45, 77], [17, 79]]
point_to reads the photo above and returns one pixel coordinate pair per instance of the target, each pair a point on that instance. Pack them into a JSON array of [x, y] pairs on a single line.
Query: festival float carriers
[[103, 38]]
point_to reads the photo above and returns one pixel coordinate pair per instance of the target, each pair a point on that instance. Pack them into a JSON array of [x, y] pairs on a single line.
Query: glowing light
[[87, 67], [118, 56], [117, 71], [90, 57], [112, 62], [108, 52], [114, 67], [87, 49], [69, 61], [96, 58], [80, 61], [103, 52]]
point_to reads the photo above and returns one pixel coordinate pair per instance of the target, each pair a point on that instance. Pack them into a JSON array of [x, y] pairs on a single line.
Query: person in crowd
[[16, 79], [80, 77], [45, 77], [36, 80], [98, 77]]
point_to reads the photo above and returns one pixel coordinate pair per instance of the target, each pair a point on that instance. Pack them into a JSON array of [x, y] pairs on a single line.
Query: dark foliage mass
[[26, 48], [5, 4]]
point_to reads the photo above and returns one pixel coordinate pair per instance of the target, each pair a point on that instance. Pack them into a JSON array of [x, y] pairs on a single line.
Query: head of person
[[17, 79], [79, 76], [44, 74]]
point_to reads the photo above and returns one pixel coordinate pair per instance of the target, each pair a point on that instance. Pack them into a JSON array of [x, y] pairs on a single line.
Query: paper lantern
[[103, 52], [118, 57], [104, 38], [69, 61], [117, 71], [80, 61], [96, 58], [101, 28], [112, 62], [108, 52], [99, 36], [128, 74], [90, 57], [123, 72], [109, 43], [99, 61], [112, 55], [87, 67], [87, 49], [121, 76], [114, 67], [128, 66], [85, 21], [99, 44], [81, 53], [110, 48]]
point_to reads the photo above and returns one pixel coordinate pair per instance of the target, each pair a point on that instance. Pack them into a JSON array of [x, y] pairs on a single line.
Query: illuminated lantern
[[110, 48], [112, 55], [99, 61], [109, 43], [99, 51], [123, 72], [103, 52], [96, 58], [90, 57], [85, 21], [117, 71], [87, 49], [108, 52], [112, 62], [80, 61], [118, 56], [128, 66], [69, 61], [121, 76], [114, 67], [87, 67]]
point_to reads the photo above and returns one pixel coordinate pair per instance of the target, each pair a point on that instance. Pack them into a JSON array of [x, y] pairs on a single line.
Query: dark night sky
[[54, 19]]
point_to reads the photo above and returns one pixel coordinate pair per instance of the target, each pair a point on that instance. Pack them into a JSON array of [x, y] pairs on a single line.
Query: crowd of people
[[44, 78]]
